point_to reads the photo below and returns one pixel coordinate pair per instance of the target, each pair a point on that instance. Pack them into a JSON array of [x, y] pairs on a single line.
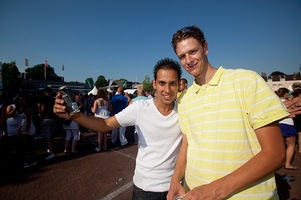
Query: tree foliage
[[11, 79], [38, 70], [147, 83], [101, 82], [277, 73]]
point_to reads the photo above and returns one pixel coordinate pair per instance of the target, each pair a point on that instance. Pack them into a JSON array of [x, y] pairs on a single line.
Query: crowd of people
[[27, 120], [221, 138]]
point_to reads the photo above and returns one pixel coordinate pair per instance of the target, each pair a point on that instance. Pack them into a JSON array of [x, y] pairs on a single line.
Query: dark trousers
[[27, 148], [139, 194]]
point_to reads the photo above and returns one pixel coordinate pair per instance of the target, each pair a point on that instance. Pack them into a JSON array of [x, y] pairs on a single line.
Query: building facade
[[279, 81]]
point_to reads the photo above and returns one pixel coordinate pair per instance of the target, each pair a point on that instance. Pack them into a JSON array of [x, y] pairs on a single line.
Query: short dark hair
[[282, 91], [188, 32], [296, 93], [48, 90], [168, 64], [184, 80]]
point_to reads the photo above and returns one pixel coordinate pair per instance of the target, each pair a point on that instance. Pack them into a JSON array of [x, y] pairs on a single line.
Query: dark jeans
[[47, 127], [27, 148], [139, 194]]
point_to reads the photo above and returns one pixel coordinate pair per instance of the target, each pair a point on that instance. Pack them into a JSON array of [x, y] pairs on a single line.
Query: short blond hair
[[139, 89]]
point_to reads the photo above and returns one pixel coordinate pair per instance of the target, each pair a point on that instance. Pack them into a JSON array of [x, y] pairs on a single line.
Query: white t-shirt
[[102, 112], [288, 120], [19, 119], [158, 147], [32, 128]]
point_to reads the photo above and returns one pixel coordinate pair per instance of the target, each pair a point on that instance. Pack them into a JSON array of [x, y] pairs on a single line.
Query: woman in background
[[100, 109], [288, 130], [72, 132]]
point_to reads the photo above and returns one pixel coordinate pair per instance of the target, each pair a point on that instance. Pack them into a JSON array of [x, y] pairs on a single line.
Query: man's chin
[[169, 101]]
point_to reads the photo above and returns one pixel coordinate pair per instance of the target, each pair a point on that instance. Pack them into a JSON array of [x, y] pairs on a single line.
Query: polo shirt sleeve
[[262, 103]]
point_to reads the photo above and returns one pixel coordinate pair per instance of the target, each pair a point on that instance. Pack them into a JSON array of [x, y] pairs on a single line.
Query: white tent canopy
[[130, 91], [93, 91]]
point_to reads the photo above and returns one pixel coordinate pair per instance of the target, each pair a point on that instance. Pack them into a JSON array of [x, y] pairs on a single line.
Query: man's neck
[[164, 109], [206, 76]]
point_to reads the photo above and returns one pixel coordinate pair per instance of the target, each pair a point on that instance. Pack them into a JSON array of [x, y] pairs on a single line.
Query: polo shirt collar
[[213, 82]]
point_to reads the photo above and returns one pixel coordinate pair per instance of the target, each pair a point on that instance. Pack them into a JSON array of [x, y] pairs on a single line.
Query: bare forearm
[[89, 122], [175, 185], [93, 123], [181, 164]]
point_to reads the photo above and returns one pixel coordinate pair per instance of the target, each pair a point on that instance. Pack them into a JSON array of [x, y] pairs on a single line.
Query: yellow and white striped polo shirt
[[219, 119]]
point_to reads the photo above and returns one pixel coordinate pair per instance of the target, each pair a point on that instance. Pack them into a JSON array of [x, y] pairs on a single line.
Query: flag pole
[[26, 64], [45, 71], [45, 66]]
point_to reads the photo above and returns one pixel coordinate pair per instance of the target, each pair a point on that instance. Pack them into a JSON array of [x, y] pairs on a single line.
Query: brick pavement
[[87, 175], [99, 176]]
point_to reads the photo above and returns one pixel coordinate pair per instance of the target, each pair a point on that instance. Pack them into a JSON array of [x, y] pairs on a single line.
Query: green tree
[[38, 70], [11, 79], [277, 73], [147, 83], [101, 82]]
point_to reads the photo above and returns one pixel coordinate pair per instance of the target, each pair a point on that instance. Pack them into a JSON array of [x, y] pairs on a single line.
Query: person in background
[[26, 128], [183, 87], [148, 94], [80, 102], [232, 142], [88, 103], [288, 131], [119, 102], [297, 120], [158, 131], [140, 95], [153, 92], [14, 160], [20, 131], [72, 133], [296, 86], [48, 121], [100, 109]]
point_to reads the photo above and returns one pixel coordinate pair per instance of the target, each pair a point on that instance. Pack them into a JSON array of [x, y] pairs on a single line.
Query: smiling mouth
[[190, 68], [191, 65], [168, 96]]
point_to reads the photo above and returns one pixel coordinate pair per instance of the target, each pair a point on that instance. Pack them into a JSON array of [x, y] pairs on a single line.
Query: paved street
[[97, 176]]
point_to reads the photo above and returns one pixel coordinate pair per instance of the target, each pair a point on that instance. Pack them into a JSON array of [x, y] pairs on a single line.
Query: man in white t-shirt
[[158, 131]]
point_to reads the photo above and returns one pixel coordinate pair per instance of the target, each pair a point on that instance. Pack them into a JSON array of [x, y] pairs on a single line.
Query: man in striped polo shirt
[[232, 143]]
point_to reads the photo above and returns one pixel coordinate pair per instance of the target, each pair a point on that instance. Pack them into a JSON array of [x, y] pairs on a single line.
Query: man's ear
[[205, 48], [154, 84]]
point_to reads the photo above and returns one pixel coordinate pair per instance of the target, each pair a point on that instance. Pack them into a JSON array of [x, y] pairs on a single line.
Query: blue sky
[[125, 38]]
